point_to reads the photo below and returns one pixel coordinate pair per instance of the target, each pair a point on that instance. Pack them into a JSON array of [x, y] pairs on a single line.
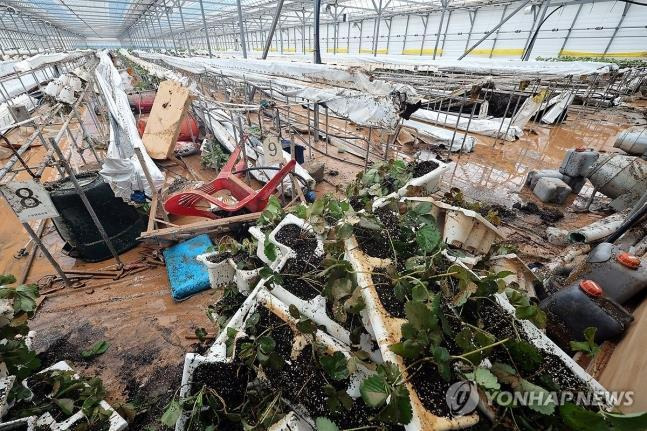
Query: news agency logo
[[462, 398]]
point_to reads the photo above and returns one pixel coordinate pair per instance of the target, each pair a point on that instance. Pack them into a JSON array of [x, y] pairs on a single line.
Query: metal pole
[[440, 27], [206, 32], [241, 28], [47, 254], [498, 26], [570, 29], [85, 201], [615, 31], [317, 52], [275, 20]]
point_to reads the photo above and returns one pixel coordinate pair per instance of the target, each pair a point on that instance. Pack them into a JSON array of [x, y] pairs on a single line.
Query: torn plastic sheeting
[[360, 108], [491, 66], [15, 87], [496, 127], [563, 101], [156, 70], [39, 60], [346, 77], [224, 133], [458, 140], [121, 168]]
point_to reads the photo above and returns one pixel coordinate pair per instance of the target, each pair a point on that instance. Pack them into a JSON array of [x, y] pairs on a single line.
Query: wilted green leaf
[[172, 414], [335, 366], [374, 391], [325, 424], [97, 349]]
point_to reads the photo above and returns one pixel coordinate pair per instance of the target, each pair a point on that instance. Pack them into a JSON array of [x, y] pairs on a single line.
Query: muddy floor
[[149, 333]]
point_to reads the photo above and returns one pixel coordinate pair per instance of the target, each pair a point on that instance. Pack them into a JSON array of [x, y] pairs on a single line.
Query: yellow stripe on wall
[[289, 50], [498, 52], [636, 54], [370, 51], [416, 51], [339, 50]]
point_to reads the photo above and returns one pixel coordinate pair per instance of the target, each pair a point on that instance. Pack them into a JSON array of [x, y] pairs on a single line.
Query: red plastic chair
[[184, 203]]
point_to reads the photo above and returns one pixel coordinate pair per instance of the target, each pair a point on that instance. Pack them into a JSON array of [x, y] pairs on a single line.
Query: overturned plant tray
[[220, 270], [462, 228], [387, 331], [298, 419], [117, 423]]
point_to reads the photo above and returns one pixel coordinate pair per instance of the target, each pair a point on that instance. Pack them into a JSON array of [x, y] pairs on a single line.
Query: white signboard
[[272, 151], [29, 200]]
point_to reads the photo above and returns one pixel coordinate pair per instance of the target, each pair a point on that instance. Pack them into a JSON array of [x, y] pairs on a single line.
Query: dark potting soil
[[548, 215], [357, 203], [229, 380], [219, 257], [246, 261], [419, 169], [384, 289], [280, 332], [300, 240], [430, 387], [292, 282], [376, 243], [303, 382]]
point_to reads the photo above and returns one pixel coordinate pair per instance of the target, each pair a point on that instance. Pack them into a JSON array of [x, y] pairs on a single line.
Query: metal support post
[[206, 32]]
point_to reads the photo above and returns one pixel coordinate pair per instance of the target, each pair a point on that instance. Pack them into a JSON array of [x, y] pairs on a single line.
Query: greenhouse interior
[[339, 215]]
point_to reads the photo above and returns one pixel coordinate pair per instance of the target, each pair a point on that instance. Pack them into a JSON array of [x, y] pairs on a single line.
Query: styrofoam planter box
[[14, 425], [261, 297], [387, 331], [462, 228], [429, 181], [221, 273], [6, 383], [244, 278], [117, 423]]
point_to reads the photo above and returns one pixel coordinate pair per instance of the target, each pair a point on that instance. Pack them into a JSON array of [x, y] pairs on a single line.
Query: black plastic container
[[122, 222], [582, 304]]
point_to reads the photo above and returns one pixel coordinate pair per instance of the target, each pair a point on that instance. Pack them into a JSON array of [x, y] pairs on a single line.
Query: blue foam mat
[[186, 275]]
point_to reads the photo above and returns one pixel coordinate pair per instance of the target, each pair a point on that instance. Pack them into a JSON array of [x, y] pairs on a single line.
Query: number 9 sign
[[272, 151]]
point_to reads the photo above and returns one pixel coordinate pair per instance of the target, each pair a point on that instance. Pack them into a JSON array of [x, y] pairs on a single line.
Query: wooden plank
[[626, 369], [163, 126], [190, 230]]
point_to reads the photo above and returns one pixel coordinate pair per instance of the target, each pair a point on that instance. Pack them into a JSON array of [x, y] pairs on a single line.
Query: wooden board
[[163, 126], [626, 369]]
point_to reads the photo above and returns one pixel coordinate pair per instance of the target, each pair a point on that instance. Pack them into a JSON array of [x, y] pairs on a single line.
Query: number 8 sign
[[272, 151], [29, 200]]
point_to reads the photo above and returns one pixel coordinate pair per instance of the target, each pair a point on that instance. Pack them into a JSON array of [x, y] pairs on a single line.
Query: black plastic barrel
[[122, 222], [582, 304]]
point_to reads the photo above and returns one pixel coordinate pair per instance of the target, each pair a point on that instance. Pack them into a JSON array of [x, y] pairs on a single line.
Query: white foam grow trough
[[220, 273], [260, 297], [387, 330], [117, 423], [28, 423], [429, 181]]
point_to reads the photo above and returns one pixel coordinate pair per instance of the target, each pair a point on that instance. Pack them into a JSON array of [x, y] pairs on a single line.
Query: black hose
[[630, 222]]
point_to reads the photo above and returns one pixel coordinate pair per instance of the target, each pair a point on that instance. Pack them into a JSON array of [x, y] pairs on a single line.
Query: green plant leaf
[[97, 349], [344, 231], [325, 424], [484, 378], [266, 344], [628, 421], [428, 238], [540, 399], [409, 349], [589, 346], [66, 405], [580, 419], [420, 316], [374, 390], [526, 356], [25, 298], [294, 311], [270, 249], [7, 279], [419, 292], [172, 414], [335, 366], [306, 326], [201, 333]]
